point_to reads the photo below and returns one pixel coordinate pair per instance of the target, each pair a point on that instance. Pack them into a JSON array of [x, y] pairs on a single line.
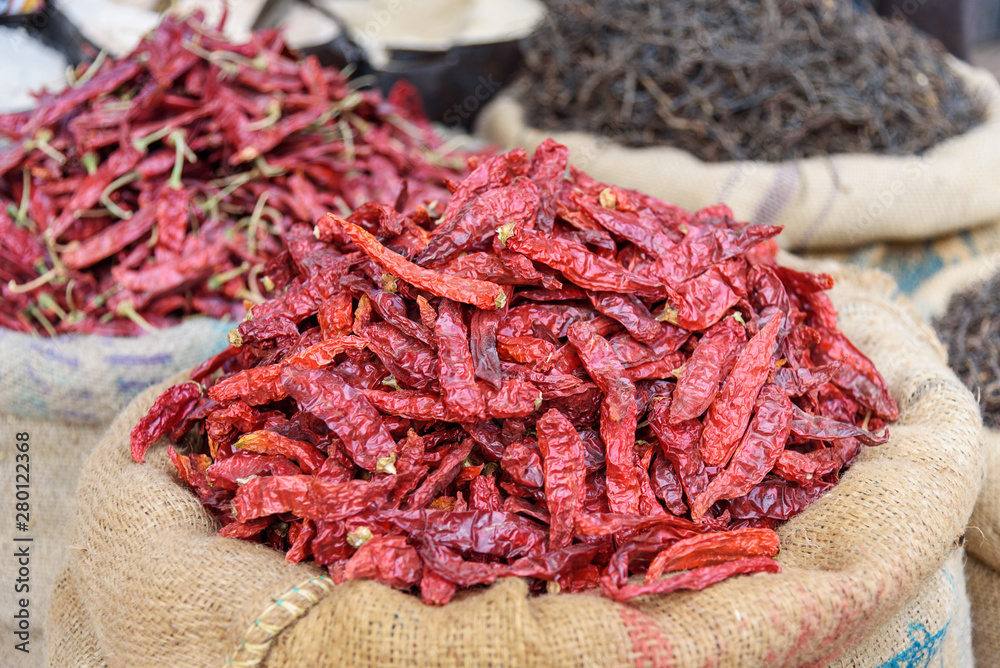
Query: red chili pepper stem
[[47, 302], [668, 315], [20, 214], [232, 185], [33, 284], [359, 537], [182, 151], [258, 210], [386, 464], [92, 69], [41, 142], [505, 232], [218, 280], [122, 180], [273, 116], [89, 162], [142, 144], [127, 309]]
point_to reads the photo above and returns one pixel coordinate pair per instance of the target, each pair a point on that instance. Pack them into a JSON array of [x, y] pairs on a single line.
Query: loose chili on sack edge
[[531, 406], [163, 184]]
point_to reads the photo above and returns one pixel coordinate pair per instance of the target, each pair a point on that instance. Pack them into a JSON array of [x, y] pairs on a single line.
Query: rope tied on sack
[[288, 609]]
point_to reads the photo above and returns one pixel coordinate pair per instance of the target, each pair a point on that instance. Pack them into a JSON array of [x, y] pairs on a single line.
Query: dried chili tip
[[669, 314], [234, 338], [386, 464], [505, 232], [359, 537], [608, 199]]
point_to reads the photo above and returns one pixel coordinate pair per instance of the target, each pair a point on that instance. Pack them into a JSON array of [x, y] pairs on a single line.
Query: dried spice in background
[[742, 80], [970, 329], [160, 185], [560, 380]]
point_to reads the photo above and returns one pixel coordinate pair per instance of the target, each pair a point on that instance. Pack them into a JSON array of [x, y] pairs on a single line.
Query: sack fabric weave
[[983, 533], [89, 378], [63, 392]]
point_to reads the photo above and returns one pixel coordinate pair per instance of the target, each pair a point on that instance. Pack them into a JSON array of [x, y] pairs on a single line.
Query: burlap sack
[[932, 266], [158, 587], [89, 378], [824, 202], [56, 455], [983, 533], [984, 596], [933, 629], [63, 392]]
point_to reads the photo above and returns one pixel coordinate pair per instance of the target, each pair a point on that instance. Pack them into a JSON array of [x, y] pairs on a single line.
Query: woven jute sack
[[833, 201], [933, 629], [63, 393], [983, 583], [983, 534], [90, 378], [150, 583], [931, 266]]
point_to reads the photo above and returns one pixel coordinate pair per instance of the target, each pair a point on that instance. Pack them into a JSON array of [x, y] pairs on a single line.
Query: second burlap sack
[[63, 392], [150, 582], [824, 202], [983, 534]]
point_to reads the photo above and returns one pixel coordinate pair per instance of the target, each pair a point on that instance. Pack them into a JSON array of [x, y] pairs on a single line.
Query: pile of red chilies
[[158, 185], [558, 379]]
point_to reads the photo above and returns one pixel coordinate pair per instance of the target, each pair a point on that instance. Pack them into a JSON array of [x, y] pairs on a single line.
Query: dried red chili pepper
[[447, 443], [267, 442], [701, 375], [167, 411], [729, 414], [618, 414], [388, 559], [481, 294], [307, 497], [755, 455], [696, 578], [713, 548], [577, 264], [345, 411], [456, 369]]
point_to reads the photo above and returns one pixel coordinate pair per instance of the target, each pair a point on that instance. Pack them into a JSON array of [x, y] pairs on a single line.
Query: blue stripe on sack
[[924, 648], [131, 388], [48, 351], [70, 415], [909, 269], [161, 359], [38, 385], [32, 399]]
